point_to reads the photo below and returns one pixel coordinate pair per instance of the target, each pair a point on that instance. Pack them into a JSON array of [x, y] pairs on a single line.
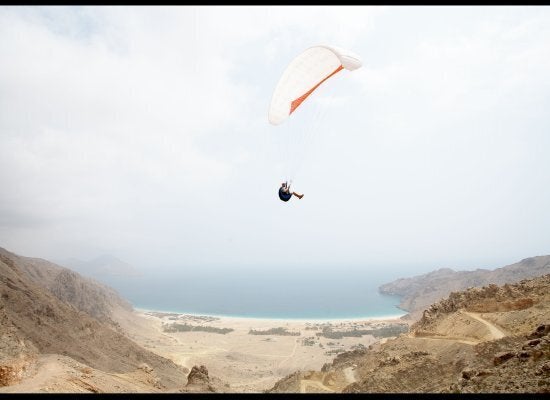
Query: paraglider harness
[[285, 195]]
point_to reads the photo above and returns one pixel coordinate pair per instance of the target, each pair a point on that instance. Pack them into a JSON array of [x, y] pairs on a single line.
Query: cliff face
[[420, 291], [492, 339], [46, 309]]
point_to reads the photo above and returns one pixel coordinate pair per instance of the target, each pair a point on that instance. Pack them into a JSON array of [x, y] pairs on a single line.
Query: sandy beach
[[250, 354]]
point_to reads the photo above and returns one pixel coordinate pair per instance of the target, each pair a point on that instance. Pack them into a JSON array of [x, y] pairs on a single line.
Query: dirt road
[[496, 332]]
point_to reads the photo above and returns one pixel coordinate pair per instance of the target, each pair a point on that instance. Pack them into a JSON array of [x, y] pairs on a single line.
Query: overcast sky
[[142, 132]]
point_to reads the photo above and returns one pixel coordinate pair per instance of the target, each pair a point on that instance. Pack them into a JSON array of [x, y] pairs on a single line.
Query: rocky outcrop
[[199, 381], [517, 366], [17, 355], [12, 371], [490, 298], [198, 375], [541, 331]]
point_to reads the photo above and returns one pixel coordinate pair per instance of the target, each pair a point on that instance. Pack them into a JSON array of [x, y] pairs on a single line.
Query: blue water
[[260, 294]]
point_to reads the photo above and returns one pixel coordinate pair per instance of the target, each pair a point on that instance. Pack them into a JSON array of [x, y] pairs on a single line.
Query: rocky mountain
[[47, 310], [101, 267], [421, 291], [84, 294], [490, 339]]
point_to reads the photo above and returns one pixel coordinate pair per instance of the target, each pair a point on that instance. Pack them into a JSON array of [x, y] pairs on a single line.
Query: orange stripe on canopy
[[295, 103]]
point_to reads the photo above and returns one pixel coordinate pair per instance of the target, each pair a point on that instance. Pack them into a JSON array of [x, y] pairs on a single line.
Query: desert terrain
[[247, 362], [237, 361]]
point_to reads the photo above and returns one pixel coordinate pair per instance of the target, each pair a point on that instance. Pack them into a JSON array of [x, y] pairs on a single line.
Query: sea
[[261, 294]]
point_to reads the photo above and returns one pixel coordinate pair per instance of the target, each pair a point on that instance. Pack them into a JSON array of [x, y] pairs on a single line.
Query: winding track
[[496, 332]]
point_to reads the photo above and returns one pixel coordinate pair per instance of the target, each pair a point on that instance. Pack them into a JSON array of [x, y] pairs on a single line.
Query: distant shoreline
[[289, 319]]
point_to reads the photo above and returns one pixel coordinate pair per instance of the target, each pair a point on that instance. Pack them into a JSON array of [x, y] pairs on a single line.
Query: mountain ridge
[[102, 266], [420, 291]]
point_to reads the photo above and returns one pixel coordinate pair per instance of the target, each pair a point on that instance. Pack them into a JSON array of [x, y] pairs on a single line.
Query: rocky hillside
[[46, 309], [493, 339], [85, 294], [420, 291]]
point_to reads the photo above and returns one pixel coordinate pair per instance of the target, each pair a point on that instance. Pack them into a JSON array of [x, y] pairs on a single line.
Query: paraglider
[[285, 194], [303, 75]]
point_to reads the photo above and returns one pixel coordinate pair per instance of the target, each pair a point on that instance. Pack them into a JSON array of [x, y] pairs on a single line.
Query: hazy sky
[[142, 132]]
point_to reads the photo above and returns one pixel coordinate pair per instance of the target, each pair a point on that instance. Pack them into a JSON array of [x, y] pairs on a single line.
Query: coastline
[[395, 317]]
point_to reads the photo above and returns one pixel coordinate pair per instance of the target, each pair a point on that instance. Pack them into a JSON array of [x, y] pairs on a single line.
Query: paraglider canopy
[[305, 74], [301, 77]]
